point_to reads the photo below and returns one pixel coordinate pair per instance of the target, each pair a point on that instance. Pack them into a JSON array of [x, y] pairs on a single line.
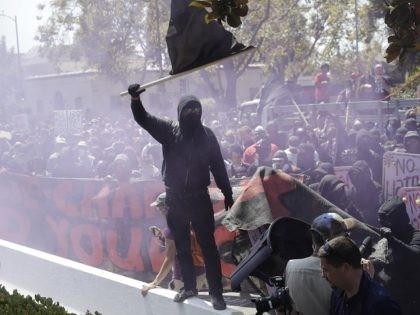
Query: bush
[[17, 304]]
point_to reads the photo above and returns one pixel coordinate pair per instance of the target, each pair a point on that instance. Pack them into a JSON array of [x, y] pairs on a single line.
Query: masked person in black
[[366, 194], [334, 190], [189, 150], [400, 274]]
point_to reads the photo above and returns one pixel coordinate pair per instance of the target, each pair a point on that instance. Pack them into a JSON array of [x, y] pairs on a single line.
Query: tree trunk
[[231, 87]]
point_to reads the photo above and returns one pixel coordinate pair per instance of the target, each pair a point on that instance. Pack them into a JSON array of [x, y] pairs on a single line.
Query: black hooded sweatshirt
[[189, 150]]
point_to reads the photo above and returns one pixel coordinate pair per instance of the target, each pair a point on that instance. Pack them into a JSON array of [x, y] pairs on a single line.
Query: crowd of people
[[119, 150], [368, 86], [122, 151]]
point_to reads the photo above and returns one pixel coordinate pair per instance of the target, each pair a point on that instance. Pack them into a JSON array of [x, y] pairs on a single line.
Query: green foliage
[[296, 36], [229, 11], [408, 89], [400, 17], [108, 35], [17, 304], [293, 37]]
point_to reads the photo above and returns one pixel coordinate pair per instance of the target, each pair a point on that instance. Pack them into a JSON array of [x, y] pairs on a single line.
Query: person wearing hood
[[412, 142], [334, 190], [366, 194], [364, 151], [400, 273], [190, 150]]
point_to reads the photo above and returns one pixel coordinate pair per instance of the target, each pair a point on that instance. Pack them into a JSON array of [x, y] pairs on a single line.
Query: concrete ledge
[[79, 287]]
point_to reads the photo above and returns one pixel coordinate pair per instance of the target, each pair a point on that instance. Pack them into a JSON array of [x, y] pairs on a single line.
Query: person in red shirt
[[261, 152], [322, 83]]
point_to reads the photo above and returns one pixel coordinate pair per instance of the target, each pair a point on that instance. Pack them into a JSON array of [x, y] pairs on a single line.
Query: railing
[[375, 111]]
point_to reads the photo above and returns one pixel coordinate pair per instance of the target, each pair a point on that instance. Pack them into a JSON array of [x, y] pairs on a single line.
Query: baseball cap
[[160, 200], [411, 134]]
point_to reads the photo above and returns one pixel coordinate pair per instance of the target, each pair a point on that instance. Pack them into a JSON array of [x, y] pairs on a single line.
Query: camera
[[286, 238], [279, 299]]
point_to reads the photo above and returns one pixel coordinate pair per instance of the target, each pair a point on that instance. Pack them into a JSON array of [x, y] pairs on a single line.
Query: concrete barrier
[[79, 287]]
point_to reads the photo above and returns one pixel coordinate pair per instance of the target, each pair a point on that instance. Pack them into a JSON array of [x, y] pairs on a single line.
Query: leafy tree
[[108, 35], [294, 37], [409, 88], [403, 20], [400, 21], [17, 304], [121, 37]]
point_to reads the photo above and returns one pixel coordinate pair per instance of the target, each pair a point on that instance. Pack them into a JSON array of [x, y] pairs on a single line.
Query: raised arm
[[159, 129]]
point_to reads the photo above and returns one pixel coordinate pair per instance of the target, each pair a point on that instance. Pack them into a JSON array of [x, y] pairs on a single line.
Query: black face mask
[[189, 122]]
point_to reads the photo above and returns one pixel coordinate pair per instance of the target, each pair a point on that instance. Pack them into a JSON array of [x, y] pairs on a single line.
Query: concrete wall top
[[79, 288]]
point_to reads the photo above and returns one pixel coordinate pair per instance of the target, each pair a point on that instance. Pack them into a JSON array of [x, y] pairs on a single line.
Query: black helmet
[[328, 226]]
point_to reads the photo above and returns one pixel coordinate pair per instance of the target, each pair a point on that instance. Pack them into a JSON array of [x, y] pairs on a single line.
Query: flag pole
[[186, 72], [300, 112]]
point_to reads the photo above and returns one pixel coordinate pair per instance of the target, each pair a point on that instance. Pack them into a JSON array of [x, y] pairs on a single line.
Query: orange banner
[[95, 222]]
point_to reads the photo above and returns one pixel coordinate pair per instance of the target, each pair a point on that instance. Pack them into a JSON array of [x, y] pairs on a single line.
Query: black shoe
[[218, 302], [182, 295]]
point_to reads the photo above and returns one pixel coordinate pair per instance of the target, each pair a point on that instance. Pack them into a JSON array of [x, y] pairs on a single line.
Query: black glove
[[228, 202], [134, 90]]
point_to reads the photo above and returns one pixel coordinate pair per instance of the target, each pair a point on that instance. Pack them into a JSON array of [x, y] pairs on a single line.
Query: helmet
[[328, 226]]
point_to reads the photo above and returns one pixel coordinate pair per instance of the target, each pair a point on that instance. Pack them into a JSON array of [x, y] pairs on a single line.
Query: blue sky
[[26, 12]]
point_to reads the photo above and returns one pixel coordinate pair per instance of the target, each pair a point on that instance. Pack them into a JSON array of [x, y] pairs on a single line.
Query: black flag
[[192, 42]]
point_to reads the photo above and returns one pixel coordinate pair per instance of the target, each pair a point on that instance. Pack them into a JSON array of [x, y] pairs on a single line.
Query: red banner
[[95, 222]]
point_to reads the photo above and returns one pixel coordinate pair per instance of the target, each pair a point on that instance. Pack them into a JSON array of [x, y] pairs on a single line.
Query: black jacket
[[187, 158], [371, 299]]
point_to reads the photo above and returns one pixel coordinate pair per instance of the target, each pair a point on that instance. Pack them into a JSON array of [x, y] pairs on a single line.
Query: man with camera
[[309, 291]]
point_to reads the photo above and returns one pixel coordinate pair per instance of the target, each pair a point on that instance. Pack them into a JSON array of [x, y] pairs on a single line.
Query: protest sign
[[411, 198], [68, 122], [399, 170]]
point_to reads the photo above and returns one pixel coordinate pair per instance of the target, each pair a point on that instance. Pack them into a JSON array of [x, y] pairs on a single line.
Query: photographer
[[308, 290]]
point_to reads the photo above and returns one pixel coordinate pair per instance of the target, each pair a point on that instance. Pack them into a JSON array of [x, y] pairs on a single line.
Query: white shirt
[[310, 292], [292, 156]]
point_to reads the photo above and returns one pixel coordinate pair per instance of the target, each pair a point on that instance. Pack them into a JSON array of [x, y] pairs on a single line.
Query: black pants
[[194, 208]]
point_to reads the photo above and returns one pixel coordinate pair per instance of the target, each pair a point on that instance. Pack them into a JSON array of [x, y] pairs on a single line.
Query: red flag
[[272, 194]]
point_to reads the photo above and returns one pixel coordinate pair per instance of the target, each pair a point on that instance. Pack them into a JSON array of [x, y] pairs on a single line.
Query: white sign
[[399, 170], [411, 197], [68, 122]]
